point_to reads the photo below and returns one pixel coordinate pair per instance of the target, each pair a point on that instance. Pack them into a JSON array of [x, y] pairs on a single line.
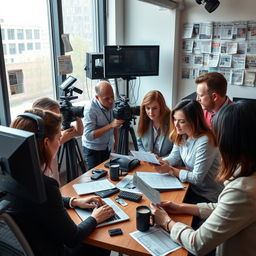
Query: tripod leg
[[79, 157], [134, 140]]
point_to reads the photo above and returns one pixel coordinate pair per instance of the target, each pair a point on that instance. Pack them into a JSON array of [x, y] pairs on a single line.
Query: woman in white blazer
[[153, 127], [230, 224]]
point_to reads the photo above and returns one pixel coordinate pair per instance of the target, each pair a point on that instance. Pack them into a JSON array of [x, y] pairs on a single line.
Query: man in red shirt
[[211, 94]]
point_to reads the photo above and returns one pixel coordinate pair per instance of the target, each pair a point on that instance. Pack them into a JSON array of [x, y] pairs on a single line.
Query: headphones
[[39, 122]]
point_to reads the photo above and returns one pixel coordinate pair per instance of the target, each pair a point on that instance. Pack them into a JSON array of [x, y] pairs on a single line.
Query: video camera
[[123, 111], [68, 111]]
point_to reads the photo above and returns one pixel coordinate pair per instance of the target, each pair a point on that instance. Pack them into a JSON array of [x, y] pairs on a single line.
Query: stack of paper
[[93, 186]]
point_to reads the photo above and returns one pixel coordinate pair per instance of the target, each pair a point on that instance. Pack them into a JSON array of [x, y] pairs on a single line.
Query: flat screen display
[[131, 60]]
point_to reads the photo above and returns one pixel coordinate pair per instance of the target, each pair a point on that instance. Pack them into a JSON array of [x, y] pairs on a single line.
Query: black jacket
[[48, 227]]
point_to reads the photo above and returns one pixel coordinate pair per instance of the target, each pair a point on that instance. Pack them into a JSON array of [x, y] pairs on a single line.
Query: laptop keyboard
[[115, 217]]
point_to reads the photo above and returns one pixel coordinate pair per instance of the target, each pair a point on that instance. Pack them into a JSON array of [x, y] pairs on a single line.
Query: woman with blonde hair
[[153, 127]]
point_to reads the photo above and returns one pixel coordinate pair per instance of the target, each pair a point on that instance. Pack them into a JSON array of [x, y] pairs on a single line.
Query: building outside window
[[79, 23], [21, 48], [29, 34], [3, 34], [36, 34], [28, 55], [37, 46], [20, 34], [11, 35], [12, 49]]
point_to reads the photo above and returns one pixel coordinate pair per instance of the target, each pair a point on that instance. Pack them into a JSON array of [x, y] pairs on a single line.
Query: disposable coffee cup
[[114, 171], [144, 218]]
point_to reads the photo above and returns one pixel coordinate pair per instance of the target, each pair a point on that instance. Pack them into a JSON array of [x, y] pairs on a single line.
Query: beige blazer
[[230, 225]]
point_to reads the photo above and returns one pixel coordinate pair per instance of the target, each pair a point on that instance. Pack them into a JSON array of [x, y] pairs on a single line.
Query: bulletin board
[[225, 47]]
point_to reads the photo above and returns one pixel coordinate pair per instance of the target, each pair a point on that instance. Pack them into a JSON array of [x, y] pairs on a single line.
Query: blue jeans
[[95, 157]]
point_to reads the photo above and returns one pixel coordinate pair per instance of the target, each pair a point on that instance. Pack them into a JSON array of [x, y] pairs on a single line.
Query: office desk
[[125, 243]]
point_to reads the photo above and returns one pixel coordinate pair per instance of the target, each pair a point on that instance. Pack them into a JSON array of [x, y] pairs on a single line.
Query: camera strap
[[103, 112]]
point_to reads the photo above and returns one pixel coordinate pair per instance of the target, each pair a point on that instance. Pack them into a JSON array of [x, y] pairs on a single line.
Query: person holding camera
[[100, 126], [153, 127], [47, 226], [66, 135]]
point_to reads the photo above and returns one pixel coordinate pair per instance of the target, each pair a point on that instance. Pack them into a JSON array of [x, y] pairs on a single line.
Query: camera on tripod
[[123, 111], [68, 111]]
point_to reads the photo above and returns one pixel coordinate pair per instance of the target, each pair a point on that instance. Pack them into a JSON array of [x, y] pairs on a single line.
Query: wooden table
[[125, 243]]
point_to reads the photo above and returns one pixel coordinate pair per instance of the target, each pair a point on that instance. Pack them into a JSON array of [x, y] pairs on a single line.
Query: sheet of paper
[[156, 241], [126, 184], [145, 156], [122, 156], [92, 186], [160, 181], [152, 194]]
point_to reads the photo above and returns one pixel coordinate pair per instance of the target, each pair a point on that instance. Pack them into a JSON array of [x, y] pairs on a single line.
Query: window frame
[[57, 49]]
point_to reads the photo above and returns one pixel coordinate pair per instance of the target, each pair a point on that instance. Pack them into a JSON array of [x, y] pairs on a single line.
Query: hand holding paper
[[145, 156]]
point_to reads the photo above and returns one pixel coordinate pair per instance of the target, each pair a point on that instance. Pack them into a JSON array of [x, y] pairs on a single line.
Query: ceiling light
[[209, 5]]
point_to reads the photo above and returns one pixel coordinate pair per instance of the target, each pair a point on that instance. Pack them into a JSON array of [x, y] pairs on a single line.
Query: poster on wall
[[16, 83]]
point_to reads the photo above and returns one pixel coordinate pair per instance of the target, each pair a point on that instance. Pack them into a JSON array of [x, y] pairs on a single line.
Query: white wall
[[135, 22], [228, 10], [146, 24]]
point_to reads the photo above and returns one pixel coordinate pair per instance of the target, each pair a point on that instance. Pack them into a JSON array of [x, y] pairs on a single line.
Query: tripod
[[73, 158], [123, 143]]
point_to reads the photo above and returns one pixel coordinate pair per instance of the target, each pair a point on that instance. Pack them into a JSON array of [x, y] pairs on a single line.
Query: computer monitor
[[239, 98], [131, 60], [20, 171]]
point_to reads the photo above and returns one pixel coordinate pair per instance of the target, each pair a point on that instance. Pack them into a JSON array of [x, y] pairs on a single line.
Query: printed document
[[122, 156], [156, 241], [152, 194], [126, 184], [160, 181], [92, 186], [145, 156]]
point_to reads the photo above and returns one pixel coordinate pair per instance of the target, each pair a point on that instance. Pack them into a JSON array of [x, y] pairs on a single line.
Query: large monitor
[[20, 171], [131, 60]]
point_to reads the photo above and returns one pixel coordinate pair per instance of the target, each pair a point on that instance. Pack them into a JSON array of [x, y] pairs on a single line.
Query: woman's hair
[[164, 112], [235, 128], [52, 124], [194, 116], [46, 103]]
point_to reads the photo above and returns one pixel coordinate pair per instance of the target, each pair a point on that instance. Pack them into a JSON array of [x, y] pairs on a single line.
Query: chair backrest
[[12, 240]]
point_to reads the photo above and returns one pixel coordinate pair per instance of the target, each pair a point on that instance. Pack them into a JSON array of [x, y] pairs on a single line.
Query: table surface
[[125, 243]]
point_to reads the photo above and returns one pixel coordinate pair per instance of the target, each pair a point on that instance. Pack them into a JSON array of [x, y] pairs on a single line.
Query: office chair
[[12, 240]]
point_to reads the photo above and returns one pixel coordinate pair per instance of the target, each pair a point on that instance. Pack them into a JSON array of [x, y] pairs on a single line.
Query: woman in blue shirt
[[194, 144]]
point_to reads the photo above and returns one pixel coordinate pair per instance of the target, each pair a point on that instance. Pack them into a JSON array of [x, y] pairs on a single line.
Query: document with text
[[152, 194], [160, 181], [145, 156], [156, 241], [92, 186]]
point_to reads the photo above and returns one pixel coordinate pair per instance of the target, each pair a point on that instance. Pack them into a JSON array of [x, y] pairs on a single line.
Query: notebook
[[119, 216]]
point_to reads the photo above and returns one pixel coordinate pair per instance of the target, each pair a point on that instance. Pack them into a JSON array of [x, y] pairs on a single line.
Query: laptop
[[119, 216]]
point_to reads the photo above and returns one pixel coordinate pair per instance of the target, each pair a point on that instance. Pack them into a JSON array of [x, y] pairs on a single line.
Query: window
[[78, 22], [36, 34], [21, 48], [12, 48], [4, 48], [29, 46], [33, 71], [29, 34], [3, 34], [10, 33], [20, 34], [30, 58], [37, 46]]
